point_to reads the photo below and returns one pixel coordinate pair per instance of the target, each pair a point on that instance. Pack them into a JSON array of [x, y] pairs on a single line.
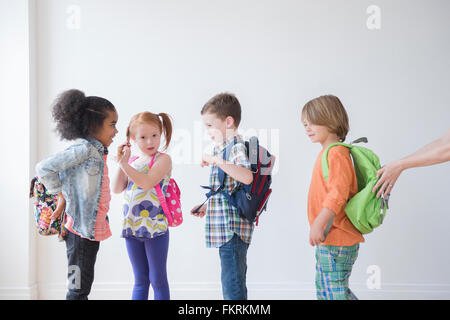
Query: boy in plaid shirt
[[225, 228]]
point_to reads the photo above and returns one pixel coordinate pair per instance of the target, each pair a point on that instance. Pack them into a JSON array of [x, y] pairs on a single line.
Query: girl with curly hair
[[79, 176]]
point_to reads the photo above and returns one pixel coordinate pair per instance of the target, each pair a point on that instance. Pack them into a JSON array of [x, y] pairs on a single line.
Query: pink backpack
[[171, 202]]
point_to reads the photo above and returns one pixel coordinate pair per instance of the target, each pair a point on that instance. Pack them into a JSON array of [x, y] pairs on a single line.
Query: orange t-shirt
[[334, 194]]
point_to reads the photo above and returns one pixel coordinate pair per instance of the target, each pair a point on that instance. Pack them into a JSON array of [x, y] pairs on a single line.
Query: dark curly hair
[[78, 116]]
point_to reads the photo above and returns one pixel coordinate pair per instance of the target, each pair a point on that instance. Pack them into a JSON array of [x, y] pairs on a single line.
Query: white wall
[[18, 145], [172, 56]]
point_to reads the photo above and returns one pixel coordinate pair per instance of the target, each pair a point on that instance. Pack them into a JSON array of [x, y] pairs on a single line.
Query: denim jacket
[[77, 172]]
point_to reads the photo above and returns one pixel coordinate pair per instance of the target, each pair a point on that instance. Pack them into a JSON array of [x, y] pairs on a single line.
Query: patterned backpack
[[170, 202], [44, 206]]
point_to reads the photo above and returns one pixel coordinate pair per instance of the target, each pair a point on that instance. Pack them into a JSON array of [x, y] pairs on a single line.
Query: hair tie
[[95, 111]]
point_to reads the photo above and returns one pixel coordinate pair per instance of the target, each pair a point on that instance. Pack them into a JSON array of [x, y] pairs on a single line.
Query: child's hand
[[120, 150], [125, 157], [316, 236], [208, 159], [59, 208], [201, 212]]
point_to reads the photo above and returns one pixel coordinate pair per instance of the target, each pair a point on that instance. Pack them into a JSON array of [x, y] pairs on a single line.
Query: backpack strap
[[359, 140], [325, 169], [163, 202], [252, 146], [328, 227], [222, 175], [132, 159], [225, 156], [159, 193], [161, 197]]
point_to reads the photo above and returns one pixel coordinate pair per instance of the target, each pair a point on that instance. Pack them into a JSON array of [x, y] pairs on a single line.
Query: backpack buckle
[[384, 202]]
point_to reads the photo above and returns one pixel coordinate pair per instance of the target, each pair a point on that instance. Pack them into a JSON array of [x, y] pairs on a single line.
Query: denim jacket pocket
[[92, 166]]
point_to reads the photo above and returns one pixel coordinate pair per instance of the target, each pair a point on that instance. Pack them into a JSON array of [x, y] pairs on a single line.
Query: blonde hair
[[328, 111], [164, 124]]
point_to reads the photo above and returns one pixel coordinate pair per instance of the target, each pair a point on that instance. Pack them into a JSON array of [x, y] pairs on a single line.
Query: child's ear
[[229, 122]]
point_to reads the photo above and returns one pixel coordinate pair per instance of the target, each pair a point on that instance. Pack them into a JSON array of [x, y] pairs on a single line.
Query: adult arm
[[437, 151]]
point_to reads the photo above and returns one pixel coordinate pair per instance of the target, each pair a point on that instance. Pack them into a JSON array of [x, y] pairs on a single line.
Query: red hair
[[164, 124]]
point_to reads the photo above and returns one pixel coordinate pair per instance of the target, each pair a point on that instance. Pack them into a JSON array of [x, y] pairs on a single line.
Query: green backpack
[[364, 209]]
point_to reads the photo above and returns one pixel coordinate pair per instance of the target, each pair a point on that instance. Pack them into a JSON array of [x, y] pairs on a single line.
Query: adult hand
[[389, 175]]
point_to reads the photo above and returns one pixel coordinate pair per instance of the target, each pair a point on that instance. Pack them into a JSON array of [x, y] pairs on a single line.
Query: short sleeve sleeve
[[239, 156], [340, 178]]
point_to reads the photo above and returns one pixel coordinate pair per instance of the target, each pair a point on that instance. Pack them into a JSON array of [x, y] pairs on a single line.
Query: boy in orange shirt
[[335, 237]]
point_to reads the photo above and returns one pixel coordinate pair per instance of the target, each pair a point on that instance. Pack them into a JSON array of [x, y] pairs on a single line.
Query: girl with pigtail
[[145, 227]]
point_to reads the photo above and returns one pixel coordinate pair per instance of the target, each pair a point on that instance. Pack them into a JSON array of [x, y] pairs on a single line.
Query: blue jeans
[[233, 260], [149, 260]]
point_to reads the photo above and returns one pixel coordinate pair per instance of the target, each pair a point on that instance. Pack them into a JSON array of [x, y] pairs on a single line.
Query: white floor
[[256, 291]]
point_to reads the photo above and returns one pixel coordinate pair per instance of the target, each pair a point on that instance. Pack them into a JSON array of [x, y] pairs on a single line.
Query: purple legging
[[148, 259]]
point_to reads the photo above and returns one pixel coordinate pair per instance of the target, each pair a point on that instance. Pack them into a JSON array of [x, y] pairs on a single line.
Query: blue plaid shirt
[[222, 219]]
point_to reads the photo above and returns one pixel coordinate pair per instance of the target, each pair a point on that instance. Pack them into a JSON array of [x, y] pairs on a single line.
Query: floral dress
[[143, 215]]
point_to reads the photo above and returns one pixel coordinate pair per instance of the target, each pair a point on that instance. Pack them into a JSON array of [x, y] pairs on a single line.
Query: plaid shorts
[[333, 268]]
